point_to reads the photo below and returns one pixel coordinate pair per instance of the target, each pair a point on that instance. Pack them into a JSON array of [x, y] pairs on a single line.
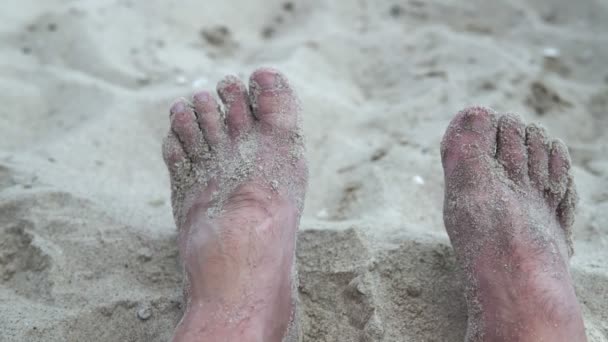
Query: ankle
[[246, 323], [207, 323], [545, 318], [542, 307]]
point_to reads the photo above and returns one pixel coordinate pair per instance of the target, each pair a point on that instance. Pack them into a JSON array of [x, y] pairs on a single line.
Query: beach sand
[[87, 240]]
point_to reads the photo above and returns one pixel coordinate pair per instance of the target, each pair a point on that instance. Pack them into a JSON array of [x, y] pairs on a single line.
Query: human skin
[[239, 177], [238, 180], [509, 206]]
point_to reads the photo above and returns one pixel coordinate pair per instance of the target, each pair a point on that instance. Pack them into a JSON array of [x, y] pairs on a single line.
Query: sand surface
[[87, 241]]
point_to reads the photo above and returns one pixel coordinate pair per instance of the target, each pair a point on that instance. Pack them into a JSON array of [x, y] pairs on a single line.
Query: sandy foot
[[508, 209], [238, 181]]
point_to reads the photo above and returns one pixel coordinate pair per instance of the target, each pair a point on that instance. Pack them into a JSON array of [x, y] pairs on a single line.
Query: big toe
[[273, 100], [469, 144]]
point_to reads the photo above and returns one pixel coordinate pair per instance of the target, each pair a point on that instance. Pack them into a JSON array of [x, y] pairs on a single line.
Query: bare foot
[[508, 210], [238, 179]]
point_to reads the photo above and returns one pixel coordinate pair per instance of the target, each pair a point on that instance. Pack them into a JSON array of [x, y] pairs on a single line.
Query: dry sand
[[87, 241]]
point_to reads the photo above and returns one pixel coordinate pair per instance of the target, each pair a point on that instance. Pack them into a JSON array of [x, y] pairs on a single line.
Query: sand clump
[[87, 239]]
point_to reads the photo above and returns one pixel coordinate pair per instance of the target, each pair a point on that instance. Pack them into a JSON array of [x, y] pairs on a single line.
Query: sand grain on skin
[[84, 192]]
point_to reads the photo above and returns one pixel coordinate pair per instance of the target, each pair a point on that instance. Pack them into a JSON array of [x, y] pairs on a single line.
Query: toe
[[273, 100], [173, 154], [538, 156], [511, 148], [559, 168], [469, 143], [236, 101], [184, 125], [209, 117], [567, 208]]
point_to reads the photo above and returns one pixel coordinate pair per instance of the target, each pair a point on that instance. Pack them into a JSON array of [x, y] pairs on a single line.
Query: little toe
[[538, 156], [511, 148], [209, 117], [559, 169], [469, 143], [236, 101], [273, 100], [567, 208], [173, 154]]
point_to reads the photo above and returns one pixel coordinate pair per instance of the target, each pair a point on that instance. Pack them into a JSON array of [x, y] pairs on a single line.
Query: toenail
[[230, 83], [202, 97], [269, 79], [475, 119], [177, 107]]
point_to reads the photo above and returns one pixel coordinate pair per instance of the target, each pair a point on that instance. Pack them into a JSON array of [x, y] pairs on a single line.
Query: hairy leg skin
[[508, 209], [238, 181]]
